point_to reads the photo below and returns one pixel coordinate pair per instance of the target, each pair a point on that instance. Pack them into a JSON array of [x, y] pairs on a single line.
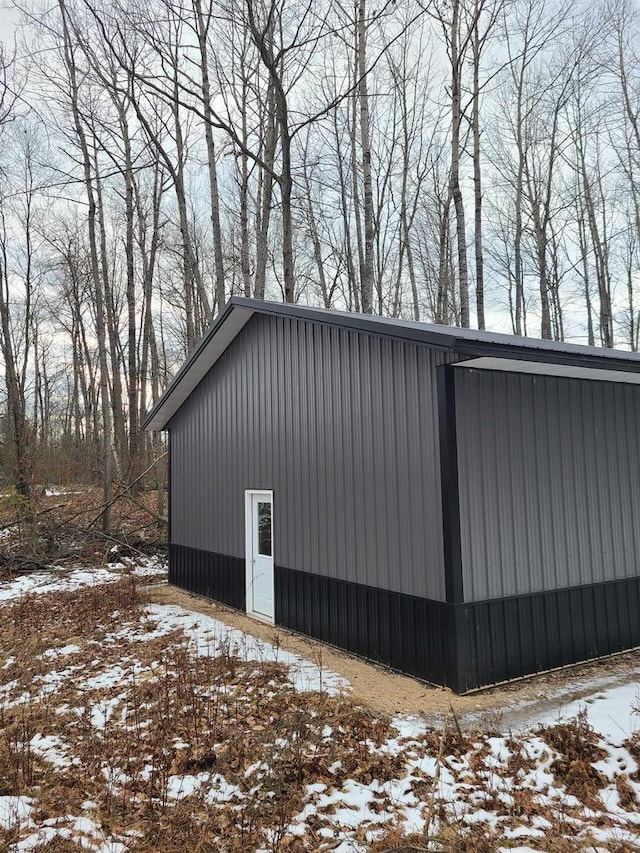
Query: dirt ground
[[509, 706]]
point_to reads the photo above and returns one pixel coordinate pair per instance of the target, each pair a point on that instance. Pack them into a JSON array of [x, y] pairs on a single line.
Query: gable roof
[[482, 350]]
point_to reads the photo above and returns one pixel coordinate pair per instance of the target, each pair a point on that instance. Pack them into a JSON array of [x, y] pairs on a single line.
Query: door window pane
[[264, 528]]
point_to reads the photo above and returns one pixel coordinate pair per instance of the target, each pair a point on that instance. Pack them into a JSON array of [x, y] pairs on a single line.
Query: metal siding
[[408, 633], [214, 575], [549, 482], [505, 638], [343, 426]]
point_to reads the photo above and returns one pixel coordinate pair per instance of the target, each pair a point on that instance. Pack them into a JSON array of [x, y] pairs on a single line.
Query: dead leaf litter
[[128, 724]]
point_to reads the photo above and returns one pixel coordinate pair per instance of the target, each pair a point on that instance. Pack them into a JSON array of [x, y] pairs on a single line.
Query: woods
[[473, 162]]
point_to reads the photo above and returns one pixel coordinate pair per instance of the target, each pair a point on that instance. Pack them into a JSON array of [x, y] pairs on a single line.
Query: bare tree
[[69, 60], [457, 36]]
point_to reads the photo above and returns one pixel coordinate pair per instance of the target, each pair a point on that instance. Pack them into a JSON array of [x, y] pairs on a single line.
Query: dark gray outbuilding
[[460, 505]]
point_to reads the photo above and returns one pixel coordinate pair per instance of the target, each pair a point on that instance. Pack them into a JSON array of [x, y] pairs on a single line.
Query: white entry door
[[259, 536]]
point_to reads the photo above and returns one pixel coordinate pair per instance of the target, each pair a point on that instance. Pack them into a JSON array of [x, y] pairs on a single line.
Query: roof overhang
[[474, 349], [545, 368], [208, 351]]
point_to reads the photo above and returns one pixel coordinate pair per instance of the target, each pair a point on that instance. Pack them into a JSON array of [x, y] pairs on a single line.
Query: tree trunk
[[132, 361], [265, 201], [477, 177], [118, 436], [456, 192], [95, 268], [365, 144], [264, 43], [16, 403], [202, 31]]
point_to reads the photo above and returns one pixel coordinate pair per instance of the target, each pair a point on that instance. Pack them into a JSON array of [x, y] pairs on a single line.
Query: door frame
[[248, 546]]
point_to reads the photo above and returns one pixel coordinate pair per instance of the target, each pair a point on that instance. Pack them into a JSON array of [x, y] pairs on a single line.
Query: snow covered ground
[[60, 580], [613, 712], [132, 709]]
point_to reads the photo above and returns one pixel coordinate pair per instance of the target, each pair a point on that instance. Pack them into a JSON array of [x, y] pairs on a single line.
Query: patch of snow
[[520, 831], [60, 579], [101, 712], [611, 712], [110, 677], [148, 566], [51, 748], [81, 830], [150, 571], [221, 791], [15, 811], [45, 835], [349, 806], [84, 825], [111, 846], [209, 637], [50, 682], [5, 689], [70, 649], [218, 790], [54, 580], [500, 753], [410, 726], [184, 786], [482, 816], [522, 849], [617, 834], [618, 761]]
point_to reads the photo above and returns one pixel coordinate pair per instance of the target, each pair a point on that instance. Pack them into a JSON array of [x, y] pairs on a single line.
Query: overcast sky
[[8, 21]]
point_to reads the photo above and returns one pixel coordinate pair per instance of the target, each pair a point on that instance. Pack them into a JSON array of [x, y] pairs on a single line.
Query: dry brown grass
[[578, 746], [174, 715]]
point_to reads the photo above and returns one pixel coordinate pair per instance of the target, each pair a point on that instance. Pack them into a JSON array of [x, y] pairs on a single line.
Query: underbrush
[[66, 525], [140, 748], [577, 745]]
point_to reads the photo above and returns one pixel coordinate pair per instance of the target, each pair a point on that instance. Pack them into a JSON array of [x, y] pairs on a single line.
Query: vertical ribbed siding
[[504, 638], [549, 482], [343, 426], [408, 633], [205, 573]]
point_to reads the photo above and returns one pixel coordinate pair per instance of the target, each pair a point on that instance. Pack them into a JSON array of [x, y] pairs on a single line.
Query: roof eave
[[239, 310], [177, 391], [478, 349]]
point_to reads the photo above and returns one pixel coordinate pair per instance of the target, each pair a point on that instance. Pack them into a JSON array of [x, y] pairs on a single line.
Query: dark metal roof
[[469, 343]]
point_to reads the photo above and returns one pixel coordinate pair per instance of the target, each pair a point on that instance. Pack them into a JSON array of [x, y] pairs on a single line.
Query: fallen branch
[[6, 562], [158, 518], [93, 531], [127, 488]]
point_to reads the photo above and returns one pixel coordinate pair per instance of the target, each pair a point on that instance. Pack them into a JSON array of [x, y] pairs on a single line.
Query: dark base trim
[[507, 638], [206, 573], [463, 646], [410, 634]]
